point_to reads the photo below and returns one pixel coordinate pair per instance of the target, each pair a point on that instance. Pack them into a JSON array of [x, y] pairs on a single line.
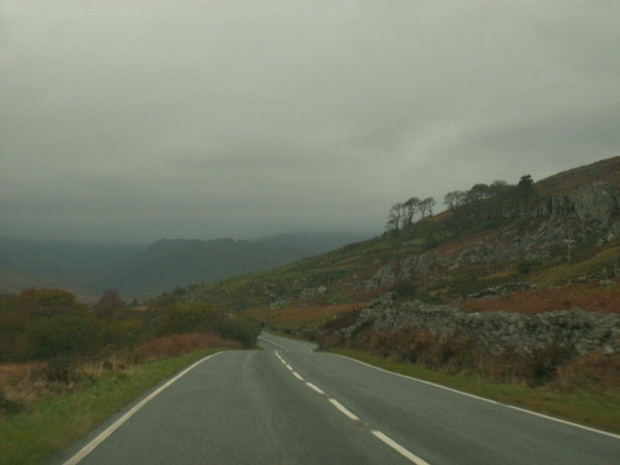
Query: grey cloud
[[140, 120]]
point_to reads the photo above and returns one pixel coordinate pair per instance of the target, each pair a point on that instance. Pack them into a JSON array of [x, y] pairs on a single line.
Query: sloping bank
[[566, 363]]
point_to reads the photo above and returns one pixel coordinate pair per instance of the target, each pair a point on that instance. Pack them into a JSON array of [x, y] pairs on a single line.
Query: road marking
[[587, 428], [343, 409], [271, 342], [296, 375], [398, 448], [278, 355], [456, 391], [290, 368], [312, 386], [88, 448]]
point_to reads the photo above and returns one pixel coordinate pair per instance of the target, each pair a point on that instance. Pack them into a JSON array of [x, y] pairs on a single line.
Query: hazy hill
[[316, 243], [63, 264], [170, 263], [140, 270]]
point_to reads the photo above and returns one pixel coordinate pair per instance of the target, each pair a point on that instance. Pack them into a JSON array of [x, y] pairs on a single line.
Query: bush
[[62, 335], [186, 317], [240, 330]]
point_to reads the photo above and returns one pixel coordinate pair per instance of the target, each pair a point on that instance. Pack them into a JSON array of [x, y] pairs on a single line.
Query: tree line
[[481, 202]]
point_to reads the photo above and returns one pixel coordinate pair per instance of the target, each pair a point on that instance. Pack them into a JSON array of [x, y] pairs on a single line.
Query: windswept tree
[[498, 188], [479, 192], [426, 207], [453, 199], [411, 207], [394, 218]]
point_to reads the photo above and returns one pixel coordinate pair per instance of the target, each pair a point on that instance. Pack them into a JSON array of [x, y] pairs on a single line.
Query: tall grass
[[56, 421]]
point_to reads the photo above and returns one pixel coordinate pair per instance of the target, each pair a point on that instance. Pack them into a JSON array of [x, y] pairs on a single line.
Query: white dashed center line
[[312, 386], [378, 434], [398, 448], [343, 409]]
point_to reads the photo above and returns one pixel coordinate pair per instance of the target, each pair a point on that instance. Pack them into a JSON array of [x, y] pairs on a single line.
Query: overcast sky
[[133, 121]]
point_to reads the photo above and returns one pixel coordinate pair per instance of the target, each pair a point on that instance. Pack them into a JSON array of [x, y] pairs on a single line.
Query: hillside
[[167, 264], [461, 252]]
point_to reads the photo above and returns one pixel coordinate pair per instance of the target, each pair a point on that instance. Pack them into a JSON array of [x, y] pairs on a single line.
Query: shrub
[[240, 330], [186, 317], [62, 335]]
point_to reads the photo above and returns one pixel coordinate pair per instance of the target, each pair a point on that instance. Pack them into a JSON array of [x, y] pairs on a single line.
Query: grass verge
[[583, 407], [36, 435]]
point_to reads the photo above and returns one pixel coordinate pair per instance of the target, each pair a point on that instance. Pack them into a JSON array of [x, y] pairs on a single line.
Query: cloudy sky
[[133, 121]]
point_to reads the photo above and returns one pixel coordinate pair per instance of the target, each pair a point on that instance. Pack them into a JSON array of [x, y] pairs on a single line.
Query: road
[[289, 405]]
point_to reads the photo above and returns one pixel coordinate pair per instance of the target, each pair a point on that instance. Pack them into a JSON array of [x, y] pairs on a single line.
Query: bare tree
[[453, 199], [426, 207], [394, 217], [412, 206]]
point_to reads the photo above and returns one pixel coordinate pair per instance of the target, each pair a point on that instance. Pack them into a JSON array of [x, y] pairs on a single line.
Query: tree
[[412, 206], [394, 218], [426, 207], [453, 199], [109, 303], [526, 183], [479, 192], [526, 193]]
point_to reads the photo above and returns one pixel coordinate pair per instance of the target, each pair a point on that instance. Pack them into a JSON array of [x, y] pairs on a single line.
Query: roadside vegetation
[[65, 367]]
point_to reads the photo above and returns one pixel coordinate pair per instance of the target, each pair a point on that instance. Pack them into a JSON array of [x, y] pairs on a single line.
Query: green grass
[[561, 273], [582, 407], [35, 436]]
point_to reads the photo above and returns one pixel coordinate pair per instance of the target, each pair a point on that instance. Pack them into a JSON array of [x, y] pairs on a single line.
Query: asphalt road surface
[[290, 405]]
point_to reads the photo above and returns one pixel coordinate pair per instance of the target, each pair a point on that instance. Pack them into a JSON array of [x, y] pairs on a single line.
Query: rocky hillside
[[567, 227]]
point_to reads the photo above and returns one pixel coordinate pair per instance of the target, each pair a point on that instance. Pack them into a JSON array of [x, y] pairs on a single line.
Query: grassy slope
[[34, 436], [587, 408]]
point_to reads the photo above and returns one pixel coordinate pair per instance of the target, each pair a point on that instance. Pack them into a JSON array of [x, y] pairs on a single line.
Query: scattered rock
[[502, 290], [576, 329]]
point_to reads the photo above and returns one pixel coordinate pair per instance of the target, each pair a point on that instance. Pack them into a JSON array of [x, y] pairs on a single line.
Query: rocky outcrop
[[503, 289], [598, 202], [575, 329], [388, 275], [310, 292]]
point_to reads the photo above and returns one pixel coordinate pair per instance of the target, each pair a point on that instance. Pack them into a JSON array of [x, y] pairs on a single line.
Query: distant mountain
[[71, 265], [45, 259], [138, 270], [317, 242], [170, 263]]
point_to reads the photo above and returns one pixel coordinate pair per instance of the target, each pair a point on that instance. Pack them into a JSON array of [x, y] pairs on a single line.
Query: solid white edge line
[[296, 375], [88, 448], [271, 342], [343, 409], [312, 386], [398, 448], [456, 391]]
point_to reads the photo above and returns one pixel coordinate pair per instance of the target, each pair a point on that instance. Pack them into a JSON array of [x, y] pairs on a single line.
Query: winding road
[[289, 405]]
